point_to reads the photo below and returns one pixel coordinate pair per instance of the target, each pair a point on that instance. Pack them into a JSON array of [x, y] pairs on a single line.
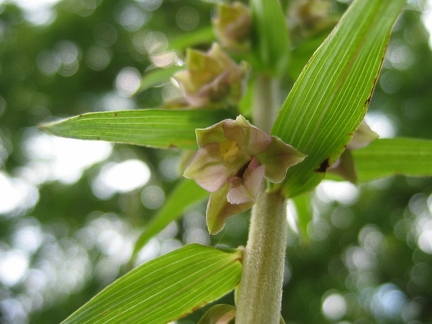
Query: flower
[[211, 78], [232, 26], [345, 166], [362, 137], [233, 159], [308, 18]]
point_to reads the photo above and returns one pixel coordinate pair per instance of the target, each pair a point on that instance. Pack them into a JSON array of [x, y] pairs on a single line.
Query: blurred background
[[70, 211]]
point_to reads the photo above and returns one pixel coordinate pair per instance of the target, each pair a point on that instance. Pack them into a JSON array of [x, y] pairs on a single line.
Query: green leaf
[[301, 54], [157, 76], [148, 127], [165, 288], [270, 37], [191, 39], [304, 213], [390, 156], [186, 193], [246, 102], [218, 314], [331, 95]]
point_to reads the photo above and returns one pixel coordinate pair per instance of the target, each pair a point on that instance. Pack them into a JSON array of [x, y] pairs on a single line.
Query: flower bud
[[345, 166], [232, 26], [211, 79], [362, 137], [311, 17]]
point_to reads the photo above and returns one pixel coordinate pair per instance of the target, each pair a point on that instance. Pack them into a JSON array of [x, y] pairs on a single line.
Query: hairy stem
[[260, 292]]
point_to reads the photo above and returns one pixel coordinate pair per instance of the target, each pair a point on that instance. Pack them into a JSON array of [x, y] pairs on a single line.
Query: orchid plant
[[251, 151]]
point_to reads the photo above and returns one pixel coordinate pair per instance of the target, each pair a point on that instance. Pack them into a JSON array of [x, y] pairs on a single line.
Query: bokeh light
[[97, 58], [120, 177], [334, 306], [63, 159], [152, 197], [131, 17], [128, 81], [187, 18]]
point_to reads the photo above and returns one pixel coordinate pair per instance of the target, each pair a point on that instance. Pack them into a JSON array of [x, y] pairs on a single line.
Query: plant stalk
[[260, 292], [265, 101]]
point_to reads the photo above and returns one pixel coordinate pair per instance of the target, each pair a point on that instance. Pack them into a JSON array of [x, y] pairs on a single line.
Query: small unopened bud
[[232, 26], [211, 78], [310, 17], [362, 137], [345, 165]]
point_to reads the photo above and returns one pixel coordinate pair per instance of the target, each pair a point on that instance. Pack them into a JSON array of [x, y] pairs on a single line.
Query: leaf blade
[[148, 127], [195, 274], [331, 96], [199, 36], [156, 76], [270, 40], [391, 156]]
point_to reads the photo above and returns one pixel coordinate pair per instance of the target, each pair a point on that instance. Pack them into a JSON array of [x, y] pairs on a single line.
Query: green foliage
[[197, 37], [392, 156], [183, 195], [157, 76], [150, 127], [332, 94], [270, 38], [353, 248], [164, 289]]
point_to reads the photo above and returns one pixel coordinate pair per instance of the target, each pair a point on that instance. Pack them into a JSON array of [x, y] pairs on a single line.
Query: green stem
[[265, 101], [260, 292]]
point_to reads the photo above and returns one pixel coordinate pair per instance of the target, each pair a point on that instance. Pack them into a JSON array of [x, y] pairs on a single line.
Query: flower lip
[[245, 185]]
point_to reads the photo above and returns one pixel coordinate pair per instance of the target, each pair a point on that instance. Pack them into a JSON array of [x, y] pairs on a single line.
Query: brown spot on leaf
[[115, 114], [198, 307], [172, 146], [368, 100], [323, 166]]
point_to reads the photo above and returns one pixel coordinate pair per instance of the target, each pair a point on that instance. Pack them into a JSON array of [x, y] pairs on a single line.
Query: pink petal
[[246, 189], [253, 178], [207, 168], [278, 157], [362, 137]]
